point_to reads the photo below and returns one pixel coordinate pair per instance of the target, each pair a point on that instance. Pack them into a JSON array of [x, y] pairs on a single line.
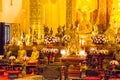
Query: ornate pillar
[[35, 17], [68, 13]]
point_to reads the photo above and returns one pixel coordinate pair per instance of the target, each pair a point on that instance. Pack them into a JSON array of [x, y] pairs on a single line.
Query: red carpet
[[4, 78]]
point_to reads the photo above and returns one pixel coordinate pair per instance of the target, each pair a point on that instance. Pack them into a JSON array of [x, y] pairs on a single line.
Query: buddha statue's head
[[21, 47], [34, 48]]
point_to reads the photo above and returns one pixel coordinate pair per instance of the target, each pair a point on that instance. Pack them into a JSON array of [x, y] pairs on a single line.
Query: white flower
[[99, 39], [114, 62], [49, 39]]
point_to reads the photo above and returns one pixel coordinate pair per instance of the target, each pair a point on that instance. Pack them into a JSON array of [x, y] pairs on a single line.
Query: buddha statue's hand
[[17, 60]]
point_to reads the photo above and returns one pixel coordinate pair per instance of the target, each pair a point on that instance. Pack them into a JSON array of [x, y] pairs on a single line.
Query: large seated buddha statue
[[21, 54], [34, 56], [5, 59]]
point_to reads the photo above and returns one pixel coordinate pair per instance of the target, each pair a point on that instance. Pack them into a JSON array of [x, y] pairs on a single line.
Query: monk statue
[[8, 52], [35, 55], [21, 54]]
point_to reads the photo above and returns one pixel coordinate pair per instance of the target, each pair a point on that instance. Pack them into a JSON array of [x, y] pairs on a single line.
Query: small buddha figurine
[[35, 55], [21, 54]]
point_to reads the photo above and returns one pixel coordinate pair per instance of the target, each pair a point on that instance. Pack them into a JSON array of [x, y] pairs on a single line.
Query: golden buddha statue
[[35, 55], [21, 54], [83, 22]]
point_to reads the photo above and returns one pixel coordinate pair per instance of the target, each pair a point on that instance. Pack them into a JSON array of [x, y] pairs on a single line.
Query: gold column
[[68, 13], [35, 17], [74, 11], [25, 16]]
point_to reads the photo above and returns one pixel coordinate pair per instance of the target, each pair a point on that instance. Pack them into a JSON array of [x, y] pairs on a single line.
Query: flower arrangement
[[47, 50], [114, 62], [49, 39], [99, 39], [93, 51]]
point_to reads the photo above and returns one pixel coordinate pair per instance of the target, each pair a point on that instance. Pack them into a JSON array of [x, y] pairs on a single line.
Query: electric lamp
[[19, 43], [82, 42], [82, 54], [63, 52]]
